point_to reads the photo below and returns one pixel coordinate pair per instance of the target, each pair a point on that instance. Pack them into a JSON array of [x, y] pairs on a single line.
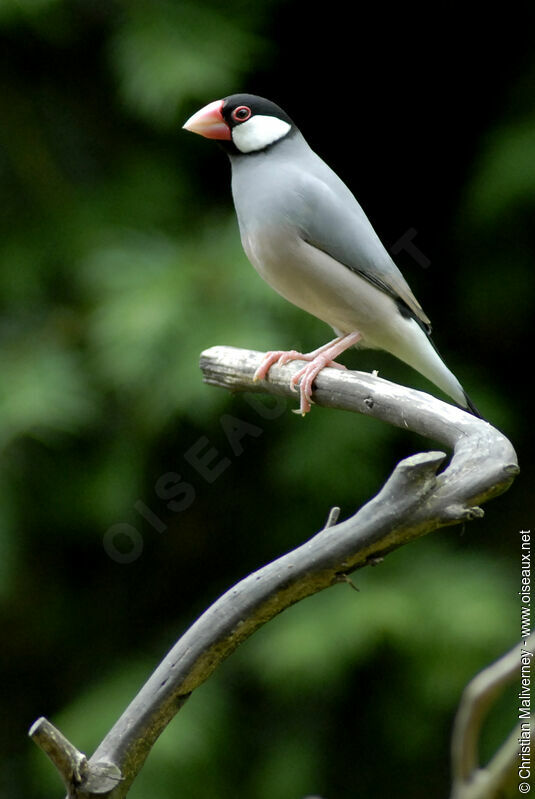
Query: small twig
[[70, 763], [78, 775], [332, 518], [345, 578]]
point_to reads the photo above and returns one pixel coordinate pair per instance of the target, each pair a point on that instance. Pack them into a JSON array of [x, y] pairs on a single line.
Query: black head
[[243, 123]]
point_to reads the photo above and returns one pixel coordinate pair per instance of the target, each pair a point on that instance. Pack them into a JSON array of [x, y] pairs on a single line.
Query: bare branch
[[415, 500], [469, 780], [484, 462]]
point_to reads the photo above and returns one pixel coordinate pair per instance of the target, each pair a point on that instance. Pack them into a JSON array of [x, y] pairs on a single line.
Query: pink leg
[[319, 359]]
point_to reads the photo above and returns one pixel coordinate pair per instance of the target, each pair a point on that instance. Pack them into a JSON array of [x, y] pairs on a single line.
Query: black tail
[[469, 404], [472, 408]]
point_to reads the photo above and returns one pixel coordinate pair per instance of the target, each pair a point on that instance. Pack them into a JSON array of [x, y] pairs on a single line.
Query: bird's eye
[[241, 113]]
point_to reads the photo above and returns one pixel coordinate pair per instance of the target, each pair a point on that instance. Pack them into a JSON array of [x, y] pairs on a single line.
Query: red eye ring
[[241, 113]]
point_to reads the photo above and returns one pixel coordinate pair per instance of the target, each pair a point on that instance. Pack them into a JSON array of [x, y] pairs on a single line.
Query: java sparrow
[[307, 236]]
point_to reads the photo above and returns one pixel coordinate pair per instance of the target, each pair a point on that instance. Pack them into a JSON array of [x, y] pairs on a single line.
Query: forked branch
[[416, 499]]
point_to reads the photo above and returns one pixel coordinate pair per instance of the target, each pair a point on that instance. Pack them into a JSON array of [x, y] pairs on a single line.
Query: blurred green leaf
[[14, 10], [503, 183], [44, 387], [166, 53]]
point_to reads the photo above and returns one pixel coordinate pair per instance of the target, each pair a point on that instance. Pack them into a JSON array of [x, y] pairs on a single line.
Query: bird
[[307, 236]]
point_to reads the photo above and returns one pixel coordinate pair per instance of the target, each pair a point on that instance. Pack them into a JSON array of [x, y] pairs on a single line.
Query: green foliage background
[[121, 262]]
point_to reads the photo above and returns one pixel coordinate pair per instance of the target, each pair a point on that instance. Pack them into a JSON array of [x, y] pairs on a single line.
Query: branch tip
[[512, 469], [332, 518], [70, 763]]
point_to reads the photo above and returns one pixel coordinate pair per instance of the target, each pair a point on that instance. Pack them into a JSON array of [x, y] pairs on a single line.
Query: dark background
[[121, 262]]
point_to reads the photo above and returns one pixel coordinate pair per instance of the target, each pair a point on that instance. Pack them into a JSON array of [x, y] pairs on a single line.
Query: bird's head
[[244, 123]]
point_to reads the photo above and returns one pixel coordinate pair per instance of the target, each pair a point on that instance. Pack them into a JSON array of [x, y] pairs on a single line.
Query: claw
[[269, 359]]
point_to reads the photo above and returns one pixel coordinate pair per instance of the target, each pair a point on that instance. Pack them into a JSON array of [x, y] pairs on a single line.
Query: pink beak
[[209, 122]]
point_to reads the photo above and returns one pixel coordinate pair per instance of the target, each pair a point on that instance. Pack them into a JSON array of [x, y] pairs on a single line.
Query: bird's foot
[[282, 357], [305, 378], [279, 357], [318, 360]]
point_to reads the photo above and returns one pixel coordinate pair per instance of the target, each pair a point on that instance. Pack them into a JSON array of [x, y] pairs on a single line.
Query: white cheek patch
[[258, 132]]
